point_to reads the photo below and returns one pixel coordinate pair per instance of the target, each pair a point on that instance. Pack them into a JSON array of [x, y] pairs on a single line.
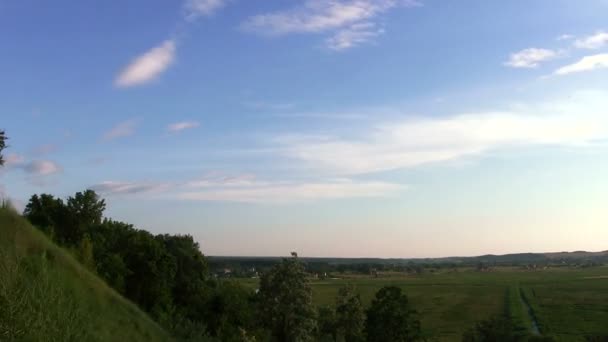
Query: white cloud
[[246, 188], [148, 66], [195, 8], [283, 192], [530, 58], [347, 18], [414, 142], [41, 168], [123, 129], [595, 41], [220, 180], [353, 35], [586, 63], [565, 37], [116, 188], [180, 126]]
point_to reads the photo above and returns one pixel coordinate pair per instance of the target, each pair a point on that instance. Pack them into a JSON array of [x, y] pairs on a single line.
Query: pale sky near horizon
[[343, 128]]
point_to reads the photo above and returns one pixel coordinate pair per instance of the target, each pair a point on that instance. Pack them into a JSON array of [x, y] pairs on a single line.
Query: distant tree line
[[169, 277]]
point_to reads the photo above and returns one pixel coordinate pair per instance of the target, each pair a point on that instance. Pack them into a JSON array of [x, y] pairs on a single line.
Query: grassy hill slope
[[45, 294]]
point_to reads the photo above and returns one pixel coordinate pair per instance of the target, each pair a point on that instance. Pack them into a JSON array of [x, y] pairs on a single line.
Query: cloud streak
[[414, 142], [181, 126], [246, 188], [286, 192], [587, 63], [530, 58], [121, 188], [121, 130], [41, 168], [593, 42], [193, 9], [148, 66], [351, 21]]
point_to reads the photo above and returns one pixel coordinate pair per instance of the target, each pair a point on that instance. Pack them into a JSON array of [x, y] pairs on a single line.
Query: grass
[[568, 303], [46, 295]]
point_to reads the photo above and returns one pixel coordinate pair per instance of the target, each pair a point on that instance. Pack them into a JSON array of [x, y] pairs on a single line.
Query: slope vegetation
[[46, 295]]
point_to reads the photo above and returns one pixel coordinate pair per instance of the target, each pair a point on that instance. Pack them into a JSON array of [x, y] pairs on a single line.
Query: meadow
[[568, 303]]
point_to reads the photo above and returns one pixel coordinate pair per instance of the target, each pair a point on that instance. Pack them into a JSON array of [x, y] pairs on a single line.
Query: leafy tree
[[2, 146], [85, 211], [110, 241], [47, 213], [286, 302], [152, 271], [350, 317], [192, 268], [326, 321], [229, 311], [391, 317]]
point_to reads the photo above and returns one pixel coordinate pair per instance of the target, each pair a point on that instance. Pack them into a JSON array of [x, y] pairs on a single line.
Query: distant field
[[568, 303]]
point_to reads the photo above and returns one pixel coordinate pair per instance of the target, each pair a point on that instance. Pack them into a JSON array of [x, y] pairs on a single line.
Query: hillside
[[45, 294]]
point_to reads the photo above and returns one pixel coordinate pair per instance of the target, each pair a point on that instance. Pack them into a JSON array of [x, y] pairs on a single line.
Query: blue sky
[[388, 128]]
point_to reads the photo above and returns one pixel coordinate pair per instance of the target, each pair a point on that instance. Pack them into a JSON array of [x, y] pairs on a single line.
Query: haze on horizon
[[347, 128]]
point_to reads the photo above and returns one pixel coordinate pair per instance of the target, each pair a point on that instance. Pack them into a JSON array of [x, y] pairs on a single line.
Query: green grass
[[46, 295], [568, 303]]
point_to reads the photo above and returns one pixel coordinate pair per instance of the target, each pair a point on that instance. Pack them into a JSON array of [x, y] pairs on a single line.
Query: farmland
[[568, 303]]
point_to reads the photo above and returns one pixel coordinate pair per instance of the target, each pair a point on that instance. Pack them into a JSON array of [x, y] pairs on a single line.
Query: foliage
[[285, 305], [326, 324], [46, 295], [350, 317], [391, 317], [165, 275]]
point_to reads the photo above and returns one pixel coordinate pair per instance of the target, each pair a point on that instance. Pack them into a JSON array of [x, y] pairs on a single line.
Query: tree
[[2, 146], [350, 317], [286, 302], [85, 211], [391, 317], [47, 213], [326, 321]]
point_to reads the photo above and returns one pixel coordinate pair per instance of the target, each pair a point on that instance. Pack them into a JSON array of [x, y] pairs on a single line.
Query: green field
[[568, 303]]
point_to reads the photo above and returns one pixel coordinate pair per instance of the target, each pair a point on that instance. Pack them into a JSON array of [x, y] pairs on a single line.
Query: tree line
[[168, 277]]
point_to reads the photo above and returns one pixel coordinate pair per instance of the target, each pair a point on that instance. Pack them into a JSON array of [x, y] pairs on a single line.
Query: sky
[[336, 128]]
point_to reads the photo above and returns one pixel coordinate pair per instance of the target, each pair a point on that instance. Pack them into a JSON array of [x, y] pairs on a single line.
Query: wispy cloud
[[196, 8], [183, 125], [41, 168], [530, 58], [152, 63], [586, 63], [215, 179], [564, 37], [353, 35], [147, 66], [117, 188], [286, 192], [13, 159], [246, 188], [351, 21], [414, 142], [592, 42], [123, 129]]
